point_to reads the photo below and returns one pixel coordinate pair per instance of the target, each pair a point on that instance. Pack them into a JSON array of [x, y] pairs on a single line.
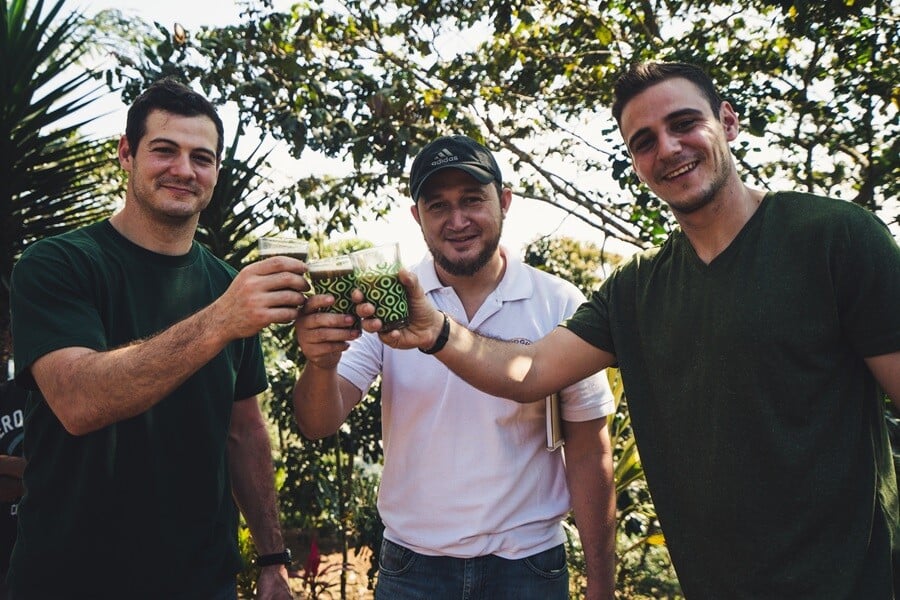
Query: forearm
[[253, 478], [520, 372], [12, 466], [886, 369], [11, 488], [89, 390], [319, 404], [590, 479], [502, 369], [11, 470]]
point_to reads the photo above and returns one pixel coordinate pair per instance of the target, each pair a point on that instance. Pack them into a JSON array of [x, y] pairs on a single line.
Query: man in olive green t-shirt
[[141, 352], [754, 346]]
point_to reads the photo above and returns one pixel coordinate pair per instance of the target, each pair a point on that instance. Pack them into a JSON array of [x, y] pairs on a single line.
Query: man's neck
[[472, 290], [711, 229], [170, 239]]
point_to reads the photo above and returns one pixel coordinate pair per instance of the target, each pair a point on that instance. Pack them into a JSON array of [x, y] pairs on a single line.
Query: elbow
[[313, 431], [78, 426], [76, 422], [524, 392], [527, 397]]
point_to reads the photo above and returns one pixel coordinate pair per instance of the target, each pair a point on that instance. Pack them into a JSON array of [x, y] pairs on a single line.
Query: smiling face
[[678, 146], [461, 220], [172, 172]]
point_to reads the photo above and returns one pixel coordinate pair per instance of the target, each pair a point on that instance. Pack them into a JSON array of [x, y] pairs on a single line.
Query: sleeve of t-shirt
[[590, 398], [362, 362], [251, 377], [867, 283], [52, 305], [591, 320]]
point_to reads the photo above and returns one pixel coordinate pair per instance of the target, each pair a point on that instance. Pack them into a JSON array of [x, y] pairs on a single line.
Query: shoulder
[[545, 281], [211, 262], [821, 219], [74, 251], [84, 240], [542, 292], [813, 208]]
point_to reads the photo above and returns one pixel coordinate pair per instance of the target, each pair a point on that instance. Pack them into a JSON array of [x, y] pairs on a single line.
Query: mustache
[[174, 182]]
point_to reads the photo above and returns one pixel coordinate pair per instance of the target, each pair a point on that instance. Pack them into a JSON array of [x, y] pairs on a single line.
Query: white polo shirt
[[466, 473]]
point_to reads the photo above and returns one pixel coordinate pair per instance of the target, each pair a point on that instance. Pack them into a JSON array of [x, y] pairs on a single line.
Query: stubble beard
[[708, 195], [176, 214], [467, 268]]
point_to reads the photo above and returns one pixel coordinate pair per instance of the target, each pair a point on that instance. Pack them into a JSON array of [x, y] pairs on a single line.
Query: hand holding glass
[[334, 275], [283, 246], [376, 275]]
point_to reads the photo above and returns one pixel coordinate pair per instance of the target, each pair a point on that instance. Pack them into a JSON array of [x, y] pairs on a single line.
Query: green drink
[[334, 276], [376, 275]]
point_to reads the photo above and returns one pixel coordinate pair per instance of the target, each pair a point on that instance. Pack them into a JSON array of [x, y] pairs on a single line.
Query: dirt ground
[[327, 584]]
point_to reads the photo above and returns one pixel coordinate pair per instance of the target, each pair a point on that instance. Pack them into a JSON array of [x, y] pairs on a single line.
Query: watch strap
[[442, 337], [279, 558]]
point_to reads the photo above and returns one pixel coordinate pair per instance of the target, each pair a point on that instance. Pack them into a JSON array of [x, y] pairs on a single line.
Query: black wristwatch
[[279, 558], [442, 337]]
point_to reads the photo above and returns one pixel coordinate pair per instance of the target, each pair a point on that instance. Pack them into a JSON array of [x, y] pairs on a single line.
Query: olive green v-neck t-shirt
[[759, 427]]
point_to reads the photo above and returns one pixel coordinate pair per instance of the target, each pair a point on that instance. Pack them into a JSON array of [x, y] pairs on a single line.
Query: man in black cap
[[471, 499]]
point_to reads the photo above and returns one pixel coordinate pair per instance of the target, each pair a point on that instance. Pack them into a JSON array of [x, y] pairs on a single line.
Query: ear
[[505, 200], [124, 153], [729, 120], [414, 210], [628, 152]]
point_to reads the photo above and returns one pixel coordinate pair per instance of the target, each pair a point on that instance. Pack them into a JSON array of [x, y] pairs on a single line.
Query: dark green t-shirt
[[759, 426], [141, 508]]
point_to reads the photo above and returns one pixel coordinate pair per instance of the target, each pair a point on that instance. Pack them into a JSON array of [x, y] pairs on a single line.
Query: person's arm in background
[[253, 486], [12, 467], [589, 473], [11, 470], [886, 369]]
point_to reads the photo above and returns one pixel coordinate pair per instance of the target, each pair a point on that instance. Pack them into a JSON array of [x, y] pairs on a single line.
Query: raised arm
[[524, 373], [322, 399], [84, 387]]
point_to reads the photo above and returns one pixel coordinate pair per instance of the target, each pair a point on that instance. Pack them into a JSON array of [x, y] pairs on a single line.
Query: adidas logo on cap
[[443, 157], [455, 151]]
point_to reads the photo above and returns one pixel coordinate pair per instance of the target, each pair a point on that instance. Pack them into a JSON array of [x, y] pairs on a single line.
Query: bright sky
[[526, 220]]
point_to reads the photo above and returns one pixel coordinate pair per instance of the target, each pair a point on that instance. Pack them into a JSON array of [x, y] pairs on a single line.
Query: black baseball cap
[[453, 152]]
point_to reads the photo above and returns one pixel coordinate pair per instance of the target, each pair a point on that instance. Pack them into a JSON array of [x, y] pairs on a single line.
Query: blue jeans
[[407, 575]]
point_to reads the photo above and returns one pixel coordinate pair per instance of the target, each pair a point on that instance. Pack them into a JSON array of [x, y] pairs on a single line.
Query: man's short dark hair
[[174, 97], [640, 77]]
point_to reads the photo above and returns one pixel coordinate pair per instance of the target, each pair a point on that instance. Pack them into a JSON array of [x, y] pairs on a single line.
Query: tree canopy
[[370, 82]]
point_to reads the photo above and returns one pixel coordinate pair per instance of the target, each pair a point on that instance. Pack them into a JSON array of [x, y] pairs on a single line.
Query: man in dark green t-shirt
[[141, 352], [754, 344]]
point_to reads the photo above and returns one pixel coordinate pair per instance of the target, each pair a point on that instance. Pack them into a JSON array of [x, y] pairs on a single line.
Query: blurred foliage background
[[365, 84]]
